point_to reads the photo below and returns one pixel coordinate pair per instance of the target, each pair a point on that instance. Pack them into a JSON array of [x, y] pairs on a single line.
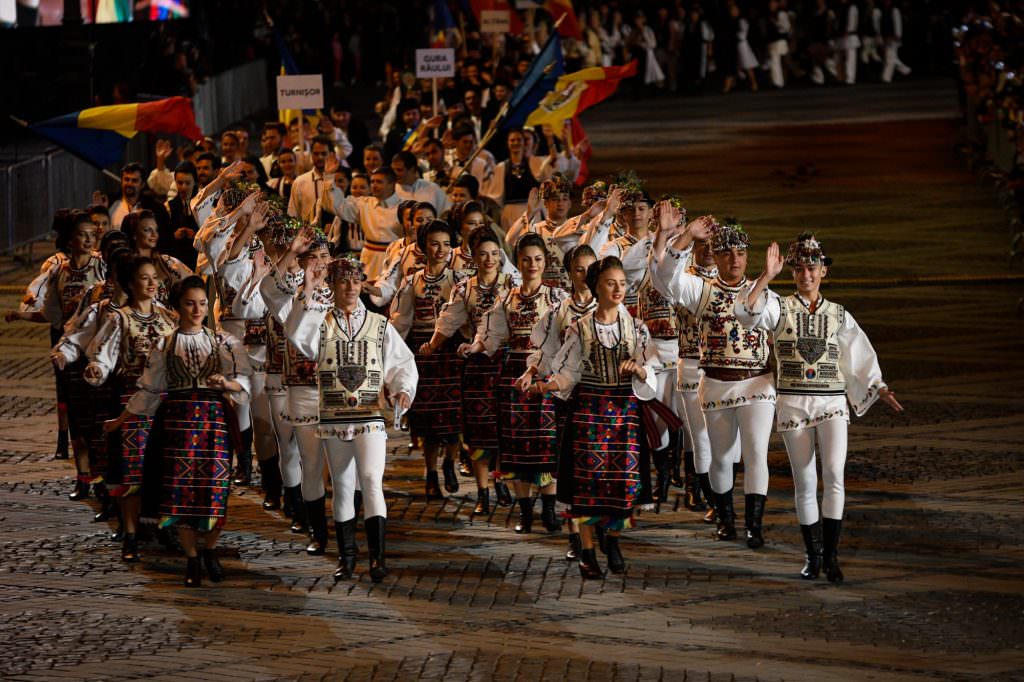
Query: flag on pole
[[100, 134], [565, 18], [576, 92], [288, 68], [443, 31], [540, 79]]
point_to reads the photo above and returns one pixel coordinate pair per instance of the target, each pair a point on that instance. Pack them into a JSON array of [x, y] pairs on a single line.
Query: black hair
[[531, 239], [386, 172], [405, 205], [230, 132], [462, 130], [578, 251], [483, 235], [458, 212], [324, 140], [116, 258], [112, 237], [133, 167], [424, 206], [407, 158], [467, 181], [65, 220], [179, 289], [374, 147], [132, 221], [126, 271], [597, 267], [436, 226], [98, 209], [190, 168], [211, 157], [276, 125], [261, 172]]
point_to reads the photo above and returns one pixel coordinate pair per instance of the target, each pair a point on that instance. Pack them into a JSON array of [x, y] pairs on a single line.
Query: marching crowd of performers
[[594, 360]]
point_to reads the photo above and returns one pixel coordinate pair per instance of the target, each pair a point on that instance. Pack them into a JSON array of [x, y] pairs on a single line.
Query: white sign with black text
[[300, 92], [495, 21], [435, 63]]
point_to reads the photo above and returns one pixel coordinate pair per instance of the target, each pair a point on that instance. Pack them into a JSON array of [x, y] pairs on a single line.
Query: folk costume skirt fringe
[[436, 414]]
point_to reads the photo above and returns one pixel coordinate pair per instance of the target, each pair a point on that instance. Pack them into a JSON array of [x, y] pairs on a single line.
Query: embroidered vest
[[657, 312], [72, 284], [139, 335], [807, 349], [351, 370], [179, 377], [275, 346], [522, 313], [600, 366], [569, 311], [632, 298], [555, 275], [689, 329], [725, 343], [430, 294]]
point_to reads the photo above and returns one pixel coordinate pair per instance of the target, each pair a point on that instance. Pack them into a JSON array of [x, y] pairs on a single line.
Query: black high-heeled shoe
[[575, 547], [451, 479], [502, 493], [483, 502], [547, 514], [130, 548], [193, 572], [214, 571], [433, 488], [80, 492], [616, 564], [589, 568], [525, 524]]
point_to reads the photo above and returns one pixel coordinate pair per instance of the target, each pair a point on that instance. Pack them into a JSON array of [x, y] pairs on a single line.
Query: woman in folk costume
[[397, 263], [143, 235], [528, 447], [737, 392], [358, 355], [55, 299], [549, 334], [607, 367], [300, 408], [468, 217], [824, 359], [437, 416], [117, 356], [191, 379], [461, 315]]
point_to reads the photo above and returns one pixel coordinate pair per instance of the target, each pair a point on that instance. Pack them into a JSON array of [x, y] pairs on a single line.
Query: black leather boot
[[193, 572], [677, 457], [589, 568], [80, 492], [129, 548], [830, 529], [664, 475], [243, 460], [616, 564], [465, 463], [704, 481], [433, 488], [502, 494], [293, 497], [694, 498], [753, 515], [270, 473], [357, 502], [601, 536], [108, 505], [547, 514], [525, 524], [575, 547], [483, 502], [317, 517], [451, 479], [812, 551], [376, 529], [63, 444], [726, 516], [347, 549], [214, 571]]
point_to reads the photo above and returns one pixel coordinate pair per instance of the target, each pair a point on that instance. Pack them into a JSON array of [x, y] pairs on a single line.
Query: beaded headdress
[[345, 268], [729, 236], [633, 190], [676, 202], [237, 192], [555, 186], [594, 192], [806, 250]]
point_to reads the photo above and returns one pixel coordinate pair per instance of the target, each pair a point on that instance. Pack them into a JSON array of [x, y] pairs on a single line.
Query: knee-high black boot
[[317, 515], [525, 524], [376, 530], [662, 465], [547, 514], [300, 524], [829, 551], [753, 515], [270, 473], [726, 516], [704, 481], [243, 459], [812, 549], [676, 455], [694, 499], [347, 549]]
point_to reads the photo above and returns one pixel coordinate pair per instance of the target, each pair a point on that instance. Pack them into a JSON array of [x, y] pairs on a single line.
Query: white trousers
[[850, 66], [256, 415], [359, 460], [688, 406], [776, 51], [312, 455], [831, 446], [893, 63], [666, 394], [287, 444], [746, 430]]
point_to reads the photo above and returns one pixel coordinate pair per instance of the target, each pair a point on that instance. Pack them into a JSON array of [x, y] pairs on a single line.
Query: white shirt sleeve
[[671, 280], [859, 364], [235, 362], [78, 333], [278, 294], [493, 331], [546, 338], [302, 327], [400, 373], [152, 383], [454, 314], [403, 307], [764, 314], [105, 348]]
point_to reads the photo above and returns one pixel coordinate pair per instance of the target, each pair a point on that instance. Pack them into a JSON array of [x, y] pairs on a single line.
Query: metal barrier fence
[[231, 96]]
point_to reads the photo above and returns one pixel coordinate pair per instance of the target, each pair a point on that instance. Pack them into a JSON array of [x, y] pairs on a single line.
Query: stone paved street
[[934, 534]]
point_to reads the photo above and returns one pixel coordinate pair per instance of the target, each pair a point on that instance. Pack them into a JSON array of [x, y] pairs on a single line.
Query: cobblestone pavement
[[933, 537]]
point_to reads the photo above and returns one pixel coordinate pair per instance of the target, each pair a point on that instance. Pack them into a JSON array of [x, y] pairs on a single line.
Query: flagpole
[[25, 125]]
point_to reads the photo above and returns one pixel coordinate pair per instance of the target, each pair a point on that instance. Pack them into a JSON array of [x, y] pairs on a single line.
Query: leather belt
[[723, 374]]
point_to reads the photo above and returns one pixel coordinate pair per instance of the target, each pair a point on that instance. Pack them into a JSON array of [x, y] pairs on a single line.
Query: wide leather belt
[[723, 374]]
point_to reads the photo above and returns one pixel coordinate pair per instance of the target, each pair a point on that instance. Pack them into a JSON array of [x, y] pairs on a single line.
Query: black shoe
[[812, 551], [588, 565], [347, 550], [270, 474], [525, 524], [726, 516], [63, 443], [376, 530], [433, 488], [465, 464], [214, 571], [293, 497], [830, 529], [502, 494], [108, 507], [317, 516], [602, 538], [193, 572], [664, 476], [118, 534], [80, 492], [753, 514], [165, 537], [547, 514], [483, 502], [616, 564], [694, 497], [129, 548], [575, 547], [676, 457], [243, 460], [451, 479], [704, 481]]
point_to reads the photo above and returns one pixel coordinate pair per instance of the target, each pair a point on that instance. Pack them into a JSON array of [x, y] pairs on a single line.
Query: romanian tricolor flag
[[99, 135], [576, 92], [444, 32], [559, 9]]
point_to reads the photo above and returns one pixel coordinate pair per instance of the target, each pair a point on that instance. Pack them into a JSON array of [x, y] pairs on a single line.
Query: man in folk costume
[[633, 246], [360, 358], [737, 392], [555, 193], [824, 359]]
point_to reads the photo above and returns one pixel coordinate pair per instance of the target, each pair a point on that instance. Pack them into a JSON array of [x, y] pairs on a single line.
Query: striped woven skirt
[[187, 465], [436, 412], [601, 471], [480, 376], [104, 406], [78, 397], [528, 444], [126, 448]]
